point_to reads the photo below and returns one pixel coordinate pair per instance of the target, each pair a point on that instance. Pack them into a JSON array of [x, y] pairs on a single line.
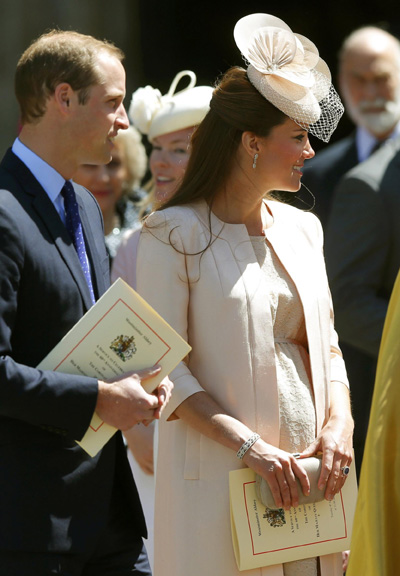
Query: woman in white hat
[[242, 278], [168, 122]]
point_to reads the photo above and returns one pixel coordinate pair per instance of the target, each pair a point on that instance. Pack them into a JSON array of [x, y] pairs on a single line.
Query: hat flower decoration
[[287, 70], [145, 103], [155, 115]]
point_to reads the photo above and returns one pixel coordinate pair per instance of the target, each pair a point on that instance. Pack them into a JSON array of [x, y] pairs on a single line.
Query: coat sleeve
[[357, 248], [164, 281], [337, 370], [58, 401], [124, 263]]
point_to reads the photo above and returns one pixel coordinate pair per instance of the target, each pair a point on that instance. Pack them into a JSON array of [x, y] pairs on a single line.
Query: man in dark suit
[[369, 81], [362, 247], [62, 511]]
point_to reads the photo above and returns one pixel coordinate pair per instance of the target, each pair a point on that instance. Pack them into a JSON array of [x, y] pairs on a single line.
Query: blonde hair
[[135, 156]]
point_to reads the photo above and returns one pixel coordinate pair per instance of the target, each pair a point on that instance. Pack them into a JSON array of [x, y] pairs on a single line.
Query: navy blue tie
[[74, 227]]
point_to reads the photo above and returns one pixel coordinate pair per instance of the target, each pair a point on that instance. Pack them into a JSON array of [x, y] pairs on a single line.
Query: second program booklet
[[120, 333]]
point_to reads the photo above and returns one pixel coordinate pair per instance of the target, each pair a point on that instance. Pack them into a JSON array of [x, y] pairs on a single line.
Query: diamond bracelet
[[247, 445]]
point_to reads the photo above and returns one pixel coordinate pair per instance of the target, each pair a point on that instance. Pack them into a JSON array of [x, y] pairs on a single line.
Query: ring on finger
[[345, 470]]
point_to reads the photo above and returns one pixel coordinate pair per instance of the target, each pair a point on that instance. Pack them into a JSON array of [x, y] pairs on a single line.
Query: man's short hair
[[56, 57]]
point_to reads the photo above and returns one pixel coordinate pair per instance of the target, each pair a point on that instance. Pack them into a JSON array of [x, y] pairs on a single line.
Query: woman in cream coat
[[243, 280]]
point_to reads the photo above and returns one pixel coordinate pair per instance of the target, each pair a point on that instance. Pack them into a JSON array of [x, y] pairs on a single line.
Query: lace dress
[[296, 399]]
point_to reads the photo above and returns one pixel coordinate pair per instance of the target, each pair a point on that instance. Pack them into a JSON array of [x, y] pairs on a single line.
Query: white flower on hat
[[279, 53], [155, 115], [145, 104], [287, 70]]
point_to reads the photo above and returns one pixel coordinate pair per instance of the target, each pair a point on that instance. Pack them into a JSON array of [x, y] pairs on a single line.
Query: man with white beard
[[362, 235], [369, 83]]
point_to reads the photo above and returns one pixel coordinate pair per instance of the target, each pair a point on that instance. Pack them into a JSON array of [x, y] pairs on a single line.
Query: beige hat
[[154, 114], [287, 70]]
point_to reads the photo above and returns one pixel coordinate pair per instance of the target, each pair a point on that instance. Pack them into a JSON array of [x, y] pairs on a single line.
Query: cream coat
[[218, 301]]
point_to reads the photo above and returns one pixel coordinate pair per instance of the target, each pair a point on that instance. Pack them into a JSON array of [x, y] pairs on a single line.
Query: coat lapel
[[299, 259], [250, 281], [298, 255]]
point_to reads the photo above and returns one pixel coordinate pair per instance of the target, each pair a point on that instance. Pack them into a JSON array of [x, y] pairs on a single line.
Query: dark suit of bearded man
[[362, 247], [322, 173]]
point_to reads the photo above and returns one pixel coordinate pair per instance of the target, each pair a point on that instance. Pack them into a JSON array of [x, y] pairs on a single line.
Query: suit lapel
[[63, 242], [50, 218], [351, 157]]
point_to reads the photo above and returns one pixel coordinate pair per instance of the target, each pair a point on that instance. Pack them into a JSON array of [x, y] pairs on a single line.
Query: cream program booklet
[[120, 333], [263, 537]]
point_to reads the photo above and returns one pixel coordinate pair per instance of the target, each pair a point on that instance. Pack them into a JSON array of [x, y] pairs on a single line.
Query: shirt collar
[[50, 180], [365, 142]]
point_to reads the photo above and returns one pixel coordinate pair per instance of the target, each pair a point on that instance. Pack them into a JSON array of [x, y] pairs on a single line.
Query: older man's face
[[370, 86]]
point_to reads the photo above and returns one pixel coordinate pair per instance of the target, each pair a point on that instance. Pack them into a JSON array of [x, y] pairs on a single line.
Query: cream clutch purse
[[313, 468]]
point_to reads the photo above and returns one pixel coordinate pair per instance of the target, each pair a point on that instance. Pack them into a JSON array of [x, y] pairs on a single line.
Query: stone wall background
[[162, 37]]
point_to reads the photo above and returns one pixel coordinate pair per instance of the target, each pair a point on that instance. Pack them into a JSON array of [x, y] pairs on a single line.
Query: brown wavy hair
[[236, 107]]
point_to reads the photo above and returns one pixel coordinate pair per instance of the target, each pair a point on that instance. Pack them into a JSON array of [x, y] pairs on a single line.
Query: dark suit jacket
[[322, 173], [362, 247], [53, 496]]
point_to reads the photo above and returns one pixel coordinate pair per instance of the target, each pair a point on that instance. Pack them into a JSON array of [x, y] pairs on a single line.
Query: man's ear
[[250, 142], [63, 96]]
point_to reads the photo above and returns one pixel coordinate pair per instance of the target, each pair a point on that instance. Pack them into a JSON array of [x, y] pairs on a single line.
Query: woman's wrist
[[245, 447]]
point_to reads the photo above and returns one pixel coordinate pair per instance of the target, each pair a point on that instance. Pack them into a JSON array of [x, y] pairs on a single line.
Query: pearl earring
[[255, 161]]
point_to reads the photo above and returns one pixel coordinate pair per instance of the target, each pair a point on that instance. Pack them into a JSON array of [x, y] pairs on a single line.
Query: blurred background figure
[[362, 250], [116, 186], [358, 261], [369, 82], [375, 541], [168, 122]]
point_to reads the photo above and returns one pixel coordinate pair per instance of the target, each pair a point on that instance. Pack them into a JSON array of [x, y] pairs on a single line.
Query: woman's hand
[[335, 441], [279, 469]]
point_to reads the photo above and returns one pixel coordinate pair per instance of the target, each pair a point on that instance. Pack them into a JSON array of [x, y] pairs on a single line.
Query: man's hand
[[163, 392], [122, 403]]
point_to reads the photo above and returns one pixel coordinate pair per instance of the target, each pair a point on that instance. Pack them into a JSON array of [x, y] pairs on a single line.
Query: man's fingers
[[164, 391], [164, 394], [146, 373]]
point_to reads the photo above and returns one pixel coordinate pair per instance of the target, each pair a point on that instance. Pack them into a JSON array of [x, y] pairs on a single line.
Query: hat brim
[[247, 26], [183, 110]]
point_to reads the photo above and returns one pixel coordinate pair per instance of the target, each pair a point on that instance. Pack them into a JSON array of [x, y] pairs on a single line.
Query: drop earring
[[255, 161]]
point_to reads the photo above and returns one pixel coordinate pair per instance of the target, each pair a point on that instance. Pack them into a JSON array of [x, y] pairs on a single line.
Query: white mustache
[[378, 103]]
